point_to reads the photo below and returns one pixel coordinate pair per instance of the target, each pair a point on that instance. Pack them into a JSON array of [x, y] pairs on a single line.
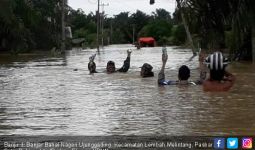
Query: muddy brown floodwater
[[46, 96]]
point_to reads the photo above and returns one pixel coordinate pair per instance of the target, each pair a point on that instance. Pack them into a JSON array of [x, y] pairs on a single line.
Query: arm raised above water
[[161, 74], [126, 64]]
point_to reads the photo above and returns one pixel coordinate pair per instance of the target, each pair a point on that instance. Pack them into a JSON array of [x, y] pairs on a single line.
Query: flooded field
[[48, 96]]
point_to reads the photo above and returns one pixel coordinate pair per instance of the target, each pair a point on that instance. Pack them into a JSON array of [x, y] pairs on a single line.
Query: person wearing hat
[[110, 67], [220, 79], [146, 70], [183, 74]]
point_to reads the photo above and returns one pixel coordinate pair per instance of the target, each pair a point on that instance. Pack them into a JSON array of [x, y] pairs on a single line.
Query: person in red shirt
[[220, 79]]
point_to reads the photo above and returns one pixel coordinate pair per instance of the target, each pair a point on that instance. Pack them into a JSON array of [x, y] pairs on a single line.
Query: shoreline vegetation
[[28, 27]]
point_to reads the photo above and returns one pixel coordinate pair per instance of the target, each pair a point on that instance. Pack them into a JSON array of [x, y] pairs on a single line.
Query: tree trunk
[[253, 44], [98, 24], [63, 36], [186, 28]]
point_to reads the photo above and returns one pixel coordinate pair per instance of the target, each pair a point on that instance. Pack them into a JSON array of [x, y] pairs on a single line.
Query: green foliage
[[159, 29], [138, 20], [118, 37], [90, 40], [178, 35], [80, 33], [83, 26], [231, 41], [221, 24], [36, 24], [162, 14], [25, 25]]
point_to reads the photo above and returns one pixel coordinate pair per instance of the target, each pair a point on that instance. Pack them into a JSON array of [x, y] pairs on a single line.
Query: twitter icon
[[232, 143]]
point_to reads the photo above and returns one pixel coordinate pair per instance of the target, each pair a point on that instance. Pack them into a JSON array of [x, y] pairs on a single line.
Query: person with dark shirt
[[220, 79], [92, 67], [146, 70], [92, 64], [110, 67], [183, 74]]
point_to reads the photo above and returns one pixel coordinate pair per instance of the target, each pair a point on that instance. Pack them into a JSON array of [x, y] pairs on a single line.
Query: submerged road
[[46, 96]]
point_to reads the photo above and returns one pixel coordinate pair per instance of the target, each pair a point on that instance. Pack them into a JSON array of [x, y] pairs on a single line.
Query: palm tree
[[214, 17]]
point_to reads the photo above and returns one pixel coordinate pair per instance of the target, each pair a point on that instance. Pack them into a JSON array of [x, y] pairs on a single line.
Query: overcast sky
[[117, 6]]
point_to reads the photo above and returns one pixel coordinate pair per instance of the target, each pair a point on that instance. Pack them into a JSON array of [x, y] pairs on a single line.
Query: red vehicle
[[147, 42]]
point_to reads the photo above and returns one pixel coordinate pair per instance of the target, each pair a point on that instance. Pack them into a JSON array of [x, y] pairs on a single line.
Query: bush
[[178, 35], [160, 30]]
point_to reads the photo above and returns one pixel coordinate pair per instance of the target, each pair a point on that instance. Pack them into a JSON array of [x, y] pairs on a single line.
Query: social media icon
[[219, 143], [232, 143], [247, 143]]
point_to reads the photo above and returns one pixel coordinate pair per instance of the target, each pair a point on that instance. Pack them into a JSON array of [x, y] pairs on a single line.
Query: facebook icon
[[219, 143]]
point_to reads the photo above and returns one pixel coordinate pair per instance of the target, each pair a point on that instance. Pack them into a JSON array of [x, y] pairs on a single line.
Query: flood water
[[47, 96]]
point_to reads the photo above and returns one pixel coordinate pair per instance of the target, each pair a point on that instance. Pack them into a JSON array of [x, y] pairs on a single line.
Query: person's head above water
[[217, 63], [146, 70], [220, 79], [110, 68], [92, 67], [184, 73]]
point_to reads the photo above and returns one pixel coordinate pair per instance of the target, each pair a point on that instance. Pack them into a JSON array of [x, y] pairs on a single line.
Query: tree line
[[127, 27], [222, 24], [27, 25]]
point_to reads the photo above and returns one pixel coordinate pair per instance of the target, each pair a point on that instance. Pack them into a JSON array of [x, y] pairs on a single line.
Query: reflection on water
[[47, 96]]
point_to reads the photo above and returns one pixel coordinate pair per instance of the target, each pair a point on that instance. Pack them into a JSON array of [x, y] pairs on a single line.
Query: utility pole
[[101, 27], [111, 32], [253, 45], [98, 17], [102, 23], [133, 34], [63, 36]]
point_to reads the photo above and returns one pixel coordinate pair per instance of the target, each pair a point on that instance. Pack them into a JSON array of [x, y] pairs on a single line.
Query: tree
[[29, 24], [122, 24], [162, 14], [83, 26], [214, 18], [179, 34], [159, 29]]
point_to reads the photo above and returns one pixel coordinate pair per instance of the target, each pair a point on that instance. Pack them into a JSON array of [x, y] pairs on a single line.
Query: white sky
[[117, 6]]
